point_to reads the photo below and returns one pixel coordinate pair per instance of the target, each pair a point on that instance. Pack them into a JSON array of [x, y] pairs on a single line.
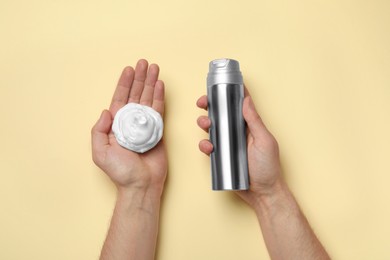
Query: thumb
[[252, 118], [99, 133]]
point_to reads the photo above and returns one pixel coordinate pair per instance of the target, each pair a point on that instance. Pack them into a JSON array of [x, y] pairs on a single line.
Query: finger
[[252, 118], [246, 91], [158, 97], [204, 122], [100, 139], [202, 102], [151, 79], [139, 81], [122, 91], [206, 147]]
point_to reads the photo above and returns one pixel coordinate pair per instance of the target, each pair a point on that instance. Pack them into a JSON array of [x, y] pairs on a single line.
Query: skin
[[286, 231], [139, 178]]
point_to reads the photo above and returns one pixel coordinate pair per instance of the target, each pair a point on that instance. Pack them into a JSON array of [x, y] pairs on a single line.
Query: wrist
[[275, 200], [132, 199], [146, 186]]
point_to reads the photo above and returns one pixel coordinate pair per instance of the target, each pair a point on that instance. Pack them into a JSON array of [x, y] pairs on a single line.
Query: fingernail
[[103, 112]]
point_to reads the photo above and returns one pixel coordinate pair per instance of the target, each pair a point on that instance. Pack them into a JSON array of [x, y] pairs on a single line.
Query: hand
[[127, 169], [263, 152], [279, 215]]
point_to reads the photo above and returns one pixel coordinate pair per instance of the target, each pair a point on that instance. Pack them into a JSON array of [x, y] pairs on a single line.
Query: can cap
[[224, 71]]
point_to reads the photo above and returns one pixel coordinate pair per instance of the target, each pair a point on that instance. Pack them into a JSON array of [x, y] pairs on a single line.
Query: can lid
[[224, 71]]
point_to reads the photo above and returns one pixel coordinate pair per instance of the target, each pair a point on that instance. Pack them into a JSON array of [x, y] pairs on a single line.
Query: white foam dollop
[[137, 127]]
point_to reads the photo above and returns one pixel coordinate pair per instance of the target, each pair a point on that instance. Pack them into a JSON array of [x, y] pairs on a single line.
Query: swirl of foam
[[137, 127]]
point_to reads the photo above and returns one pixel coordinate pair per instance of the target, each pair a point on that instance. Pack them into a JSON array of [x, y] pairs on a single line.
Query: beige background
[[319, 72]]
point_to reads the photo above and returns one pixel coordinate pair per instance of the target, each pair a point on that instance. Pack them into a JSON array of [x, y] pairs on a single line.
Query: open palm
[[124, 167]]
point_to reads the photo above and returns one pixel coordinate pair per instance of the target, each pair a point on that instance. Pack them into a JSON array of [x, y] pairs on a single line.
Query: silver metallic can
[[225, 95]]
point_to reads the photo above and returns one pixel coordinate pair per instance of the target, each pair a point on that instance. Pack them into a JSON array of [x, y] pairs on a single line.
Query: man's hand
[[287, 233], [127, 169], [139, 177], [263, 152]]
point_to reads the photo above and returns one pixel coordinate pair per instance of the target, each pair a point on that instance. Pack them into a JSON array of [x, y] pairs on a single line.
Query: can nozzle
[[224, 71]]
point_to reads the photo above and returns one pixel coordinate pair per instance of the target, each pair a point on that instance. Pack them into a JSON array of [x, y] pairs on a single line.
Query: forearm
[[134, 226], [286, 231]]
